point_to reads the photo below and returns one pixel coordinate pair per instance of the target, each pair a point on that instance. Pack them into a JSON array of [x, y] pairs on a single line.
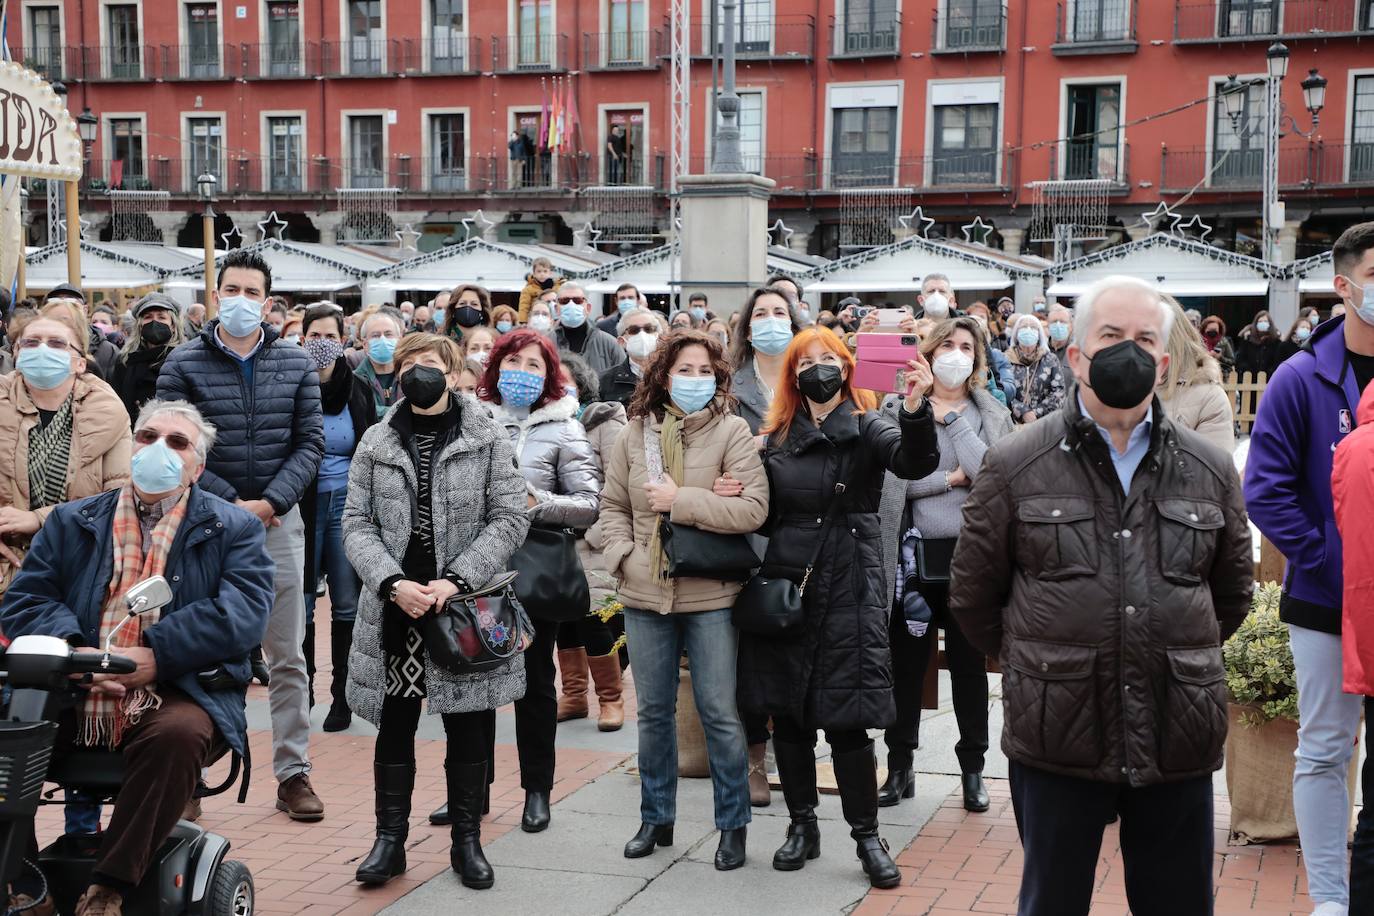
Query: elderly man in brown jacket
[[1105, 555]]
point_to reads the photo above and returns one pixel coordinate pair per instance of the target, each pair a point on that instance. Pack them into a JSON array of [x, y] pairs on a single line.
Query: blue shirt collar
[[219, 342]]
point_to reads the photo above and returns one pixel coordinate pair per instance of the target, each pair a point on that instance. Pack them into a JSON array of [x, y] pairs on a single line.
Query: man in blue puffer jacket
[[262, 394]]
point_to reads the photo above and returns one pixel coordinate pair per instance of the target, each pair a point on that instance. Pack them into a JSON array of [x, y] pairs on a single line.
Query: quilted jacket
[[1106, 609], [561, 473]]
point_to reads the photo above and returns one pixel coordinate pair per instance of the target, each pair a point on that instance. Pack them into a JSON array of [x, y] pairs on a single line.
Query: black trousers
[[1166, 842], [536, 713], [591, 633], [790, 731], [968, 675], [466, 732], [1362, 851]]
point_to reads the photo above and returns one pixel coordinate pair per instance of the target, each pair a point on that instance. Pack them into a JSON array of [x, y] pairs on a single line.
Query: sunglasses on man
[[564, 300], [175, 441]]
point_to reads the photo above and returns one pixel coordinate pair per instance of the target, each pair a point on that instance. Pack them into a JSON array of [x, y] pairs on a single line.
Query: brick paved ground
[[962, 862]]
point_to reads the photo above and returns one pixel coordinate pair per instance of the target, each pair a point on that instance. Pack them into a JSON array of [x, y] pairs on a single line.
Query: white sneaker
[[1330, 908]]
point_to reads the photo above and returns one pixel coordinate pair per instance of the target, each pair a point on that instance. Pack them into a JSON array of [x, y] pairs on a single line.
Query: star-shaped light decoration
[[232, 239], [479, 220], [82, 224], [976, 232], [917, 222], [274, 227], [586, 237], [1160, 219], [1193, 227], [779, 233], [407, 238]]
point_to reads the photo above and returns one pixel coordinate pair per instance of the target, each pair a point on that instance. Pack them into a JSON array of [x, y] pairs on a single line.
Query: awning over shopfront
[[1180, 267], [1315, 274], [497, 266], [651, 271], [901, 266], [102, 267], [301, 267]]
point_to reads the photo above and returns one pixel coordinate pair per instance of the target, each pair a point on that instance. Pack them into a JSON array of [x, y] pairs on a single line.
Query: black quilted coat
[[1106, 609], [836, 673], [269, 436]]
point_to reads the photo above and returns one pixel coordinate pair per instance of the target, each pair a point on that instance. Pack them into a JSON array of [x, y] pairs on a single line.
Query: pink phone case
[[881, 361]]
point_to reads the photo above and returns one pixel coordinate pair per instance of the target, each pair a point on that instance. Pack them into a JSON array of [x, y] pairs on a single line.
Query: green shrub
[[1259, 663]]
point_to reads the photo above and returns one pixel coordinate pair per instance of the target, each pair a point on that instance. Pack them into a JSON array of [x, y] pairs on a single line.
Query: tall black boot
[[260, 671], [308, 648], [797, 772], [856, 774], [395, 782], [901, 780], [340, 641], [467, 783]]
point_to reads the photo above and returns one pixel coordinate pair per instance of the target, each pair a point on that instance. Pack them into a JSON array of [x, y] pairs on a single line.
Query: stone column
[[1288, 243], [170, 224], [1012, 239], [328, 224], [724, 235], [1136, 232]]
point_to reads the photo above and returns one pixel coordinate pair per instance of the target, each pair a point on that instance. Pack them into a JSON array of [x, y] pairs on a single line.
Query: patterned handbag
[[478, 630]]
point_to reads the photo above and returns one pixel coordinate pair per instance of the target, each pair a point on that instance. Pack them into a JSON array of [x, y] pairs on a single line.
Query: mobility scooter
[[189, 875]]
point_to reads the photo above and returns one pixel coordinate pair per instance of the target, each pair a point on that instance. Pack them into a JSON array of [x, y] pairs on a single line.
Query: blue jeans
[[330, 559], [656, 644]]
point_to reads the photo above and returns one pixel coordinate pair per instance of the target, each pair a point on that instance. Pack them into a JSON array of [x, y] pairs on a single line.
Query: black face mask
[[156, 333], [1122, 375], [820, 383], [546, 283], [467, 316], [423, 386]]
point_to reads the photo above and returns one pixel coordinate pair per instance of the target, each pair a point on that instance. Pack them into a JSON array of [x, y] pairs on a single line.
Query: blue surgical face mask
[[624, 305], [692, 393], [770, 336], [44, 368], [1302, 333], [156, 468], [438, 318], [519, 388], [1028, 337], [1365, 307], [380, 350], [1261, 326], [572, 315], [502, 327], [240, 315], [698, 313], [1059, 331]]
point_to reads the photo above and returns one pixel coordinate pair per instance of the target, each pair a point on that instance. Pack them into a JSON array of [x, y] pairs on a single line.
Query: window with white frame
[[285, 153], [1248, 17], [126, 148], [44, 53], [283, 49], [366, 42], [972, 24], [202, 40], [626, 38], [1099, 20], [1092, 144], [124, 57], [753, 26], [864, 146], [448, 50], [1362, 129], [867, 26], [447, 152], [750, 129], [1238, 147], [206, 148], [964, 133], [535, 36], [366, 151]]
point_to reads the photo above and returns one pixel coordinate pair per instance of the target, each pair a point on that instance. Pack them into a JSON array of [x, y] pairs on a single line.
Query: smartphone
[[892, 318], [881, 361]]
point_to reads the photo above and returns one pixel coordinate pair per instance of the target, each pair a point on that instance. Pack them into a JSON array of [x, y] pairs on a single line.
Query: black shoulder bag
[[552, 585], [773, 607], [478, 630]]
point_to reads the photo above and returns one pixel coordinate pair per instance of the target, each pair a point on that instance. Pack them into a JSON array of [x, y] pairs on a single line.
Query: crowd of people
[[1052, 489]]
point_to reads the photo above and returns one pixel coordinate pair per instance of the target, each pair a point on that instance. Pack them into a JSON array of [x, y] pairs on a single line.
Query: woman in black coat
[[349, 409], [157, 331], [1258, 349], [827, 441]]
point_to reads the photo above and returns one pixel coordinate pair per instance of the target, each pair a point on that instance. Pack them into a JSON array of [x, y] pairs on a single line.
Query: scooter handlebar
[[100, 663]]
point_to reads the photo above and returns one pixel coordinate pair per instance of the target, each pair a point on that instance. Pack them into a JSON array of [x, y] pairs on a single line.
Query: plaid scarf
[[49, 451], [105, 717]]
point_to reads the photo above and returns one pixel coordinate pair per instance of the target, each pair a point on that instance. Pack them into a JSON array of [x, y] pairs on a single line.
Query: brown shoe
[[30, 907], [606, 675], [100, 901], [572, 665], [192, 811], [298, 800], [760, 796]]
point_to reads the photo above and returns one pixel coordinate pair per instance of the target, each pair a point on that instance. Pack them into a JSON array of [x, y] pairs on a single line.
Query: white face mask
[[641, 345], [1364, 308], [541, 322], [479, 355], [936, 305], [952, 368]]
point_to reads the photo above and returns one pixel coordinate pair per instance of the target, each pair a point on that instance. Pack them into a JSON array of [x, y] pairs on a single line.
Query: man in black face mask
[[1105, 553]]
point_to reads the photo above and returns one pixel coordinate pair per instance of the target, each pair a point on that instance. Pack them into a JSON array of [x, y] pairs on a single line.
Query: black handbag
[[696, 554], [552, 584], [479, 630], [934, 556], [773, 607]]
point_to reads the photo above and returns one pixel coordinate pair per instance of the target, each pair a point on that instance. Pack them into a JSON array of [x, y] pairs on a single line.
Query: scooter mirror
[[152, 592]]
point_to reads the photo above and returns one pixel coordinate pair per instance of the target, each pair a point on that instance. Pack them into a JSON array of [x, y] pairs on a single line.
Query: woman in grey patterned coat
[[435, 506], [1039, 379]]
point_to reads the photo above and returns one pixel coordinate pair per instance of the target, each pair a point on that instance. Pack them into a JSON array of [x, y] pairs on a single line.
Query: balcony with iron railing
[[787, 38], [965, 173], [52, 63], [530, 54], [1238, 170], [1072, 160], [1267, 20], [624, 50], [879, 35], [119, 62], [1095, 27], [970, 27]]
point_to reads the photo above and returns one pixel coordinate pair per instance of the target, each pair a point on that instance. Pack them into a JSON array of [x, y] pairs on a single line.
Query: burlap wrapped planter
[[691, 737]]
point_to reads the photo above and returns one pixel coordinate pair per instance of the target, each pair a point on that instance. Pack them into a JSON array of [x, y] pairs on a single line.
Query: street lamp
[[1233, 100], [87, 123], [1314, 94], [726, 157], [1277, 57], [205, 189]]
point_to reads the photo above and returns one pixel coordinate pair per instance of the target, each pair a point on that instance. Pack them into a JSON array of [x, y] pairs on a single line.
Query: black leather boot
[[308, 650], [797, 772], [730, 850], [261, 674], [535, 817], [340, 641], [649, 836], [858, 781], [439, 816], [900, 782], [466, 784], [975, 793], [387, 859]]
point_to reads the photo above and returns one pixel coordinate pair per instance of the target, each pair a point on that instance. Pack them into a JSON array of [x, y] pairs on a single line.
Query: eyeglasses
[[176, 441], [577, 299], [632, 330], [52, 343]]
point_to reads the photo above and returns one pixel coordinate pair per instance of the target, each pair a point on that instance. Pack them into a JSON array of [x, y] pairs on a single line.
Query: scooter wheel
[[231, 891]]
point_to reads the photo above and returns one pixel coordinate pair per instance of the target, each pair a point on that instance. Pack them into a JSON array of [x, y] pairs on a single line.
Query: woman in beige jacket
[[64, 435], [1191, 390], [686, 457]]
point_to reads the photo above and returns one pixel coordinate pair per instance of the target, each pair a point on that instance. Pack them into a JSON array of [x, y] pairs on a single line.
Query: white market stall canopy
[[103, 266], [1180, 267], [499, 267], [304, 267], [1315, 274], [651, 271], [902, 265]]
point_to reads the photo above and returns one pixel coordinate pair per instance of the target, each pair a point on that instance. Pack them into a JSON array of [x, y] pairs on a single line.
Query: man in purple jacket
[[1307, 409]]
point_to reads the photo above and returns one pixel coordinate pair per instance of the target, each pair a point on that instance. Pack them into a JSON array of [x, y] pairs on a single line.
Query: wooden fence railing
[[1244, 389]]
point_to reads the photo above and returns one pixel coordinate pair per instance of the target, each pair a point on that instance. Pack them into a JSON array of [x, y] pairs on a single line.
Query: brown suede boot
[[606, 675], [100, 901], [760, 795], [572, 665]]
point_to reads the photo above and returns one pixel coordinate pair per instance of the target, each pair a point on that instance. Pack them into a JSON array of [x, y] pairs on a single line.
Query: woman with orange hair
[[829, 449]]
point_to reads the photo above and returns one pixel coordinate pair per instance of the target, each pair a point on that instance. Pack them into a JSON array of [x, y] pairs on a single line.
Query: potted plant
[[1262, 685]]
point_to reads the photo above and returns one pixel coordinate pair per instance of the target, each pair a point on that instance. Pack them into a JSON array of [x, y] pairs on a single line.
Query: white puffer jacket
[[553, 453]]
